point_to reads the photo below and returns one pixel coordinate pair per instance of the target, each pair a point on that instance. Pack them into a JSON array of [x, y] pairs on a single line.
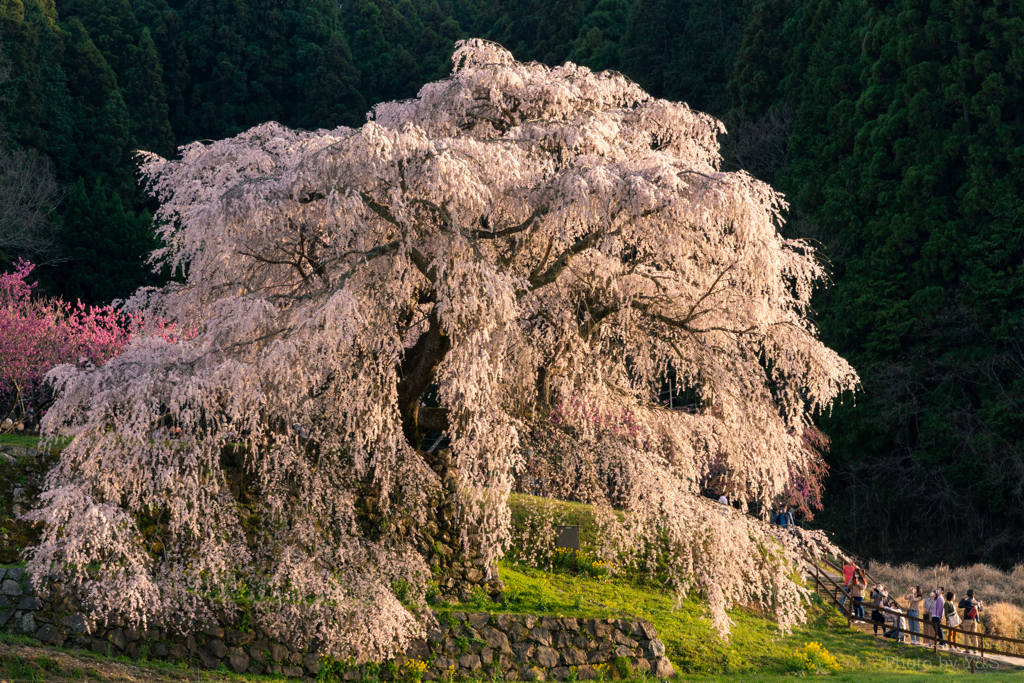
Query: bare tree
[[29, 194], [761, 148]]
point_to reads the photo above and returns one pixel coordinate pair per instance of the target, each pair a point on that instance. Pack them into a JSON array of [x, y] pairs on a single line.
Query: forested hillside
[[895, 129]]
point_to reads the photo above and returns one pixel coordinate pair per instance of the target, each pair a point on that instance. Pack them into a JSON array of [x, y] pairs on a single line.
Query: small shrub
[[512, 596], [580, 562], [1003, 619], [401, 590], [622, 667], [371, 673], [814, 659], [413, 670], [48, 664]]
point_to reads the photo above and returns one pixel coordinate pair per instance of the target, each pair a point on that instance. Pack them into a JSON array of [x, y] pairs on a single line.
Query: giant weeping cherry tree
[[535, 248]]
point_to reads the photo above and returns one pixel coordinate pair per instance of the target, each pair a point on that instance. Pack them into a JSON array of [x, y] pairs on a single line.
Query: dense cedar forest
[[896, 129]]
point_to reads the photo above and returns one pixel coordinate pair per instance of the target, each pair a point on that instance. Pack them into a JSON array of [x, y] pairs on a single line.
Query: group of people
[[924, 616], [784, 518]]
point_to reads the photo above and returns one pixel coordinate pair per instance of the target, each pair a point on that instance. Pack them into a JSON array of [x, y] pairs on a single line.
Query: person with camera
[[857, 587], [972, 610], [914, 601], [878, 598]]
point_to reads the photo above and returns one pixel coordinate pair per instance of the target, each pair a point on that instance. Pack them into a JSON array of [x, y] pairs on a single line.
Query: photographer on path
[[972, 610]]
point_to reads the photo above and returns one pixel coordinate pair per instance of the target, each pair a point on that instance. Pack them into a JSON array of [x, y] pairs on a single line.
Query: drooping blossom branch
[[516, 238]]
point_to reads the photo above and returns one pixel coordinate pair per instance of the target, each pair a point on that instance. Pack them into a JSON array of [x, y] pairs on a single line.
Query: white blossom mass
[[533, 247]]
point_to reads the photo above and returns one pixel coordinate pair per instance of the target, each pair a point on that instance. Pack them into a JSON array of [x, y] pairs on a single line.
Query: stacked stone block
[[526, 647], [479, 645]]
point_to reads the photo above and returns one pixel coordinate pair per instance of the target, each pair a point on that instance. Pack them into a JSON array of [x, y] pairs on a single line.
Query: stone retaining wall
[[512, 647], [55, 618], [481, 645], [525, 647]]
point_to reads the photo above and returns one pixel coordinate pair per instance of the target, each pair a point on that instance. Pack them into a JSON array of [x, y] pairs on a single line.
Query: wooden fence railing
[[822, 581]]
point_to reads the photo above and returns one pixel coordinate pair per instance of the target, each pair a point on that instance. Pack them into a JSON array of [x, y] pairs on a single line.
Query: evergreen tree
[[113, 28], [600, 36], [685, 51], [763, 57], [147, 100], [106, 245], [169, 36], [103, 126], [36, 107], [905, 161]]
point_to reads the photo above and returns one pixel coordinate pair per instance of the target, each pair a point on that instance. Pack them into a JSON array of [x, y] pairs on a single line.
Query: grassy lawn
[[15, 440], [755, 651]]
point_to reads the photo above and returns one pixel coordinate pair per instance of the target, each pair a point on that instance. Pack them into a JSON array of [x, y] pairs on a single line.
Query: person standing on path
[[952, 618], [848, 568], [914, 600], [878, 596], [972, 610], [926, 614], [938, 611], [857, 587]]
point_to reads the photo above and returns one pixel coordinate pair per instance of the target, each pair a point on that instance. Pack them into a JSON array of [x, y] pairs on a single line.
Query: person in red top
[[848, 569]]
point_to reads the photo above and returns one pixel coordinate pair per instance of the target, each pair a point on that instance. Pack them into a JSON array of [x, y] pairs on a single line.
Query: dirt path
[[20, 662]]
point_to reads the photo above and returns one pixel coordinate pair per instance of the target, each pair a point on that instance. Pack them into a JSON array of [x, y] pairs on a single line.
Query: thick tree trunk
[[454, 557], [419, 368]]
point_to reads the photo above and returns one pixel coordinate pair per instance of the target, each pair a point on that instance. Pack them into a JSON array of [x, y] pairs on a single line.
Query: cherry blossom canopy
[[516, 240]]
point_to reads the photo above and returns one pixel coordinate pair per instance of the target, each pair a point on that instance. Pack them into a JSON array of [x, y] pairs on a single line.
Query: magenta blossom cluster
[[807, 483], [39, 333]]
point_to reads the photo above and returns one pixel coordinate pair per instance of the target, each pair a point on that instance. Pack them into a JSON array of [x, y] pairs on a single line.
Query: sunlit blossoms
[[517, 239]]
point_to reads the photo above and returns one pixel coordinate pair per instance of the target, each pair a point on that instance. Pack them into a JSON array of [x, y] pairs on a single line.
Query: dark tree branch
[[433, 419], [488, 234]]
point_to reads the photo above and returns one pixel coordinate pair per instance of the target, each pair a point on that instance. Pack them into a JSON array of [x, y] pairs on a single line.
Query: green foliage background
[[896, 129]]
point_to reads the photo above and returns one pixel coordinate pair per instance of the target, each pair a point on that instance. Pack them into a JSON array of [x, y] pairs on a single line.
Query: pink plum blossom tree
[[517, 238], [38, 333]]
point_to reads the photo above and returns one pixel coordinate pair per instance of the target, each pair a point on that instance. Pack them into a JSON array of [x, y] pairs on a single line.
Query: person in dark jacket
[[878, 597], [972, 610]]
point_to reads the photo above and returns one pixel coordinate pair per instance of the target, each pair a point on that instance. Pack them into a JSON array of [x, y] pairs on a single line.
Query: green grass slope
[[756, 649]]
